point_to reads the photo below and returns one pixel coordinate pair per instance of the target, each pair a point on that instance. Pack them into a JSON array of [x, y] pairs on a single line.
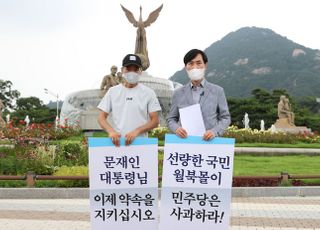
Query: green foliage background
[[262, 105]]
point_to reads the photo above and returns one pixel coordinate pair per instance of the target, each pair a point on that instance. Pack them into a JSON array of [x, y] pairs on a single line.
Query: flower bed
[[253, 136], [257, 136], [40, 148], [40, 132]]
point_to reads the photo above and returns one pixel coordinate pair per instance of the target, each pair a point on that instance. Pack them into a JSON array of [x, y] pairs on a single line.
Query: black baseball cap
[[131, 59]]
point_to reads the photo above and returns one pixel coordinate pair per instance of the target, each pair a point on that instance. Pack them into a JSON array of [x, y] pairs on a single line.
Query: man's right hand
[[181, 132], [115, 137]]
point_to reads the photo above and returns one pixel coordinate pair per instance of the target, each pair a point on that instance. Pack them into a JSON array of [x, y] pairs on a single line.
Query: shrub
[[17, 161], [72, 151], [7, 161], [41, 158], [71, 154], [72, 171], [256, 136]]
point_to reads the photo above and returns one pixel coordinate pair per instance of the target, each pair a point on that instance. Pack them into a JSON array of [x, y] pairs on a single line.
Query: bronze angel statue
[[141, 39]]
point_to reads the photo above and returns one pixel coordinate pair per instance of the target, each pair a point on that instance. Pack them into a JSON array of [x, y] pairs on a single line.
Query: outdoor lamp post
[[57, 98]]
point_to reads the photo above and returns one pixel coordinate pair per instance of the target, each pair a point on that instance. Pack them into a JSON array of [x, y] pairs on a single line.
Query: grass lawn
[[274, 145], [270, 145], [100, 134], [246, 165], [274, 165]]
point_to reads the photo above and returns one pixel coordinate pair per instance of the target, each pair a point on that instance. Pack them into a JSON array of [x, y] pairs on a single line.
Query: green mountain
[[254, 57], [53, 104]]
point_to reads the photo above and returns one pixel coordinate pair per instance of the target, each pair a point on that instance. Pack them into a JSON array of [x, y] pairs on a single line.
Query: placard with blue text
[[123, 184], [196, 183]]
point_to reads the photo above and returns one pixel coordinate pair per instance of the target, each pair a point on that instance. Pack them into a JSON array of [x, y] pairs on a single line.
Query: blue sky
[[69, 45]]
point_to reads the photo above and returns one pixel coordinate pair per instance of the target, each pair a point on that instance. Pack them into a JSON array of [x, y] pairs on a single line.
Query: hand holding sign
[[208, 135], [115, 137], [181, 132]]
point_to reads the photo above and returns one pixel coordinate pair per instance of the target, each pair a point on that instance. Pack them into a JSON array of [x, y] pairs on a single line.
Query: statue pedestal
[[80, 108], [283, 125], [88, 120]]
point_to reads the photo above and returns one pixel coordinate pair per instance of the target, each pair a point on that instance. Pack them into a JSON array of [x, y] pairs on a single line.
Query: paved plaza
[[278, 213]]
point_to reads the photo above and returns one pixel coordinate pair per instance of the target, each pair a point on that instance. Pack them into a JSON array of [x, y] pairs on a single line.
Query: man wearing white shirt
[[132, 107]]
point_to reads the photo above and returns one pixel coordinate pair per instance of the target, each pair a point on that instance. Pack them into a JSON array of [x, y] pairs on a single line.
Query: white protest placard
[[123, 184], [196, 183], [188, 116]]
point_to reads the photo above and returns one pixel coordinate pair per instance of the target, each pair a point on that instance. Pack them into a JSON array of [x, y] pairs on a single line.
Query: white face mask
[[131, 77], [196, 74]]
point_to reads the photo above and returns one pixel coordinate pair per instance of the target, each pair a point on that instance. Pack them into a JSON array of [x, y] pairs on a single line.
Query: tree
[[35, 109], [261, 95], [310, 103], [29, 103], [263, 106], [276, 93], [8, 95], [257, 111]]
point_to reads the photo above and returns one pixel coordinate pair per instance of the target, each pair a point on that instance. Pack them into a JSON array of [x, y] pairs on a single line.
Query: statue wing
[[130, 16], [152, 16]]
